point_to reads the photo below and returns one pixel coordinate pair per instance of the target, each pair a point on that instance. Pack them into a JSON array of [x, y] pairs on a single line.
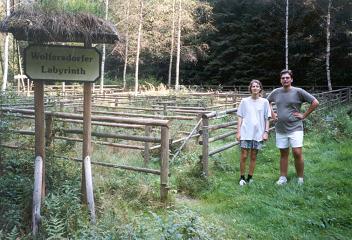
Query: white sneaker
[[242, 182], [282, 180], [300, 181]]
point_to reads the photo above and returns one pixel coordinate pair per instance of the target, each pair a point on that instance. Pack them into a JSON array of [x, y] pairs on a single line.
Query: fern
[[54, 226], [13, 235]]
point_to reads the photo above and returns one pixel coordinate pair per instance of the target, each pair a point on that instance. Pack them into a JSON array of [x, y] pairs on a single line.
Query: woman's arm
[[239, 123]]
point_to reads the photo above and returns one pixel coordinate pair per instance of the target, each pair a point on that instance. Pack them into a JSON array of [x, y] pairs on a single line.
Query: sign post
[[46, 63]]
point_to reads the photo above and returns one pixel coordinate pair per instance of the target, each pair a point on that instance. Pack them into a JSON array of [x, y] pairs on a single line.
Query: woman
[[252, 128]]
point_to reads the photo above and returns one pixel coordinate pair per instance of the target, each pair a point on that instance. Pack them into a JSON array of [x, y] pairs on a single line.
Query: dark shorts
[[251, 144]]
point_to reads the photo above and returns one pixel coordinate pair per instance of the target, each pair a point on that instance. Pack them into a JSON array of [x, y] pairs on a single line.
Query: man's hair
[[286, 71], [255, 81]]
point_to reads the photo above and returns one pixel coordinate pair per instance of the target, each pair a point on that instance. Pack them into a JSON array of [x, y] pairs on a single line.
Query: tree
[[138, 44], [172, 42], [6, 52], [286, 36], [177, 87], [104, 52], [126, 44], [328, 17]]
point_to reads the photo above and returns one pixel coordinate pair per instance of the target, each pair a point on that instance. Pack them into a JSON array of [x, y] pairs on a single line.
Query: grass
[[320, 209], [128, 207]]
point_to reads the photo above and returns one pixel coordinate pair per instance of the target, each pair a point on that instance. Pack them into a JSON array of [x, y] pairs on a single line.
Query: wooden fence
[[326, 100], [137, 123], [158, 113]]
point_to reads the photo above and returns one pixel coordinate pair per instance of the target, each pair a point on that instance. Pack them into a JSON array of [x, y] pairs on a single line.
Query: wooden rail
[[326, 99], [164, 140]]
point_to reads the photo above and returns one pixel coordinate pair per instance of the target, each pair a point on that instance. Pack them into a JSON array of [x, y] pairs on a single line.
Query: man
[[289, 125]]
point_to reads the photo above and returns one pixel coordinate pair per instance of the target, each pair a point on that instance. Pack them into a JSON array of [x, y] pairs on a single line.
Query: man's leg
[[284, 152], [299, 162]]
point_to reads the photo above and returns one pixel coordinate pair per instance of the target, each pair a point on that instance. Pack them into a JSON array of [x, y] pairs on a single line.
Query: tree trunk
[[138, 45], [286, 37], [172, 42], [6, 52], [104, 52], [328, 22], [126, 46], [177, 86]]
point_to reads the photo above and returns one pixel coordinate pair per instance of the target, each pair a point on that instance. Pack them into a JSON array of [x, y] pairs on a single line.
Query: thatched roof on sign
[[40, 26]]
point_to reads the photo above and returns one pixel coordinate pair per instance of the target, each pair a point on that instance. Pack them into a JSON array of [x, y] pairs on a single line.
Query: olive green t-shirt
[[287, 102]]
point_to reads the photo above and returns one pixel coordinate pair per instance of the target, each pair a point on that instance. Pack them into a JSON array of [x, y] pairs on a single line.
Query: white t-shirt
[[254, 113]]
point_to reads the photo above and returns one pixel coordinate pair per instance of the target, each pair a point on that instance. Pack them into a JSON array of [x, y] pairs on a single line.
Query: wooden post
[[28, 86], [36, 218], [87, 193], [18, 86], [48, 129], [61, 106], [164, 109], [40, 126], [197, 130], [205, 147], [116, 102], [89, 188], [39, 174], [63, 88], [146, 153], [164, 168]]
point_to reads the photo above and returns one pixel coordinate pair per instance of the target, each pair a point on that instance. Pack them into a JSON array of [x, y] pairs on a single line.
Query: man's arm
[[273, 114], [311, 108]]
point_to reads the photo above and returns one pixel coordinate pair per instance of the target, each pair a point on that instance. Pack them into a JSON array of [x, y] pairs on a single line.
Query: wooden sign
[[62, 63]]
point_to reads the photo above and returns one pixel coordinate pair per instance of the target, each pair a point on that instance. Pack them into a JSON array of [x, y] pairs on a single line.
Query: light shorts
[[285, 140], [251, 144]]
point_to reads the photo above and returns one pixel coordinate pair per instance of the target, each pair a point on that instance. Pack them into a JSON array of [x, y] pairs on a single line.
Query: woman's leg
[[243, 158], [253, 158]]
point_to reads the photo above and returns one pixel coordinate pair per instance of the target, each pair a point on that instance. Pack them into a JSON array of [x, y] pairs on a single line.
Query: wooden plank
[[40, 127], [223, 148], [136, 169], [87, 181], [164, 168], [37, 194], [142, 121], [146, 152], [205, 147], [116, 136], [89, 188], [137, 147]]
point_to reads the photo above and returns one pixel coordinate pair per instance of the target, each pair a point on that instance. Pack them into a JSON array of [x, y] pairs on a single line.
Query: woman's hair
[[286, 71], [257, 82]]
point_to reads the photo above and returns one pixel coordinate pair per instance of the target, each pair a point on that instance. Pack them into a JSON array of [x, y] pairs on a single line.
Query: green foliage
[[186, 224], [336, 122], [74, 6], [62, 212], [249, 43], [128, 207], [16, 189], [189, 179]]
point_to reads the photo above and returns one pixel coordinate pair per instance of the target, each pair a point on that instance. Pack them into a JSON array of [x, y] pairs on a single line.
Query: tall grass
[[320, 209]]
